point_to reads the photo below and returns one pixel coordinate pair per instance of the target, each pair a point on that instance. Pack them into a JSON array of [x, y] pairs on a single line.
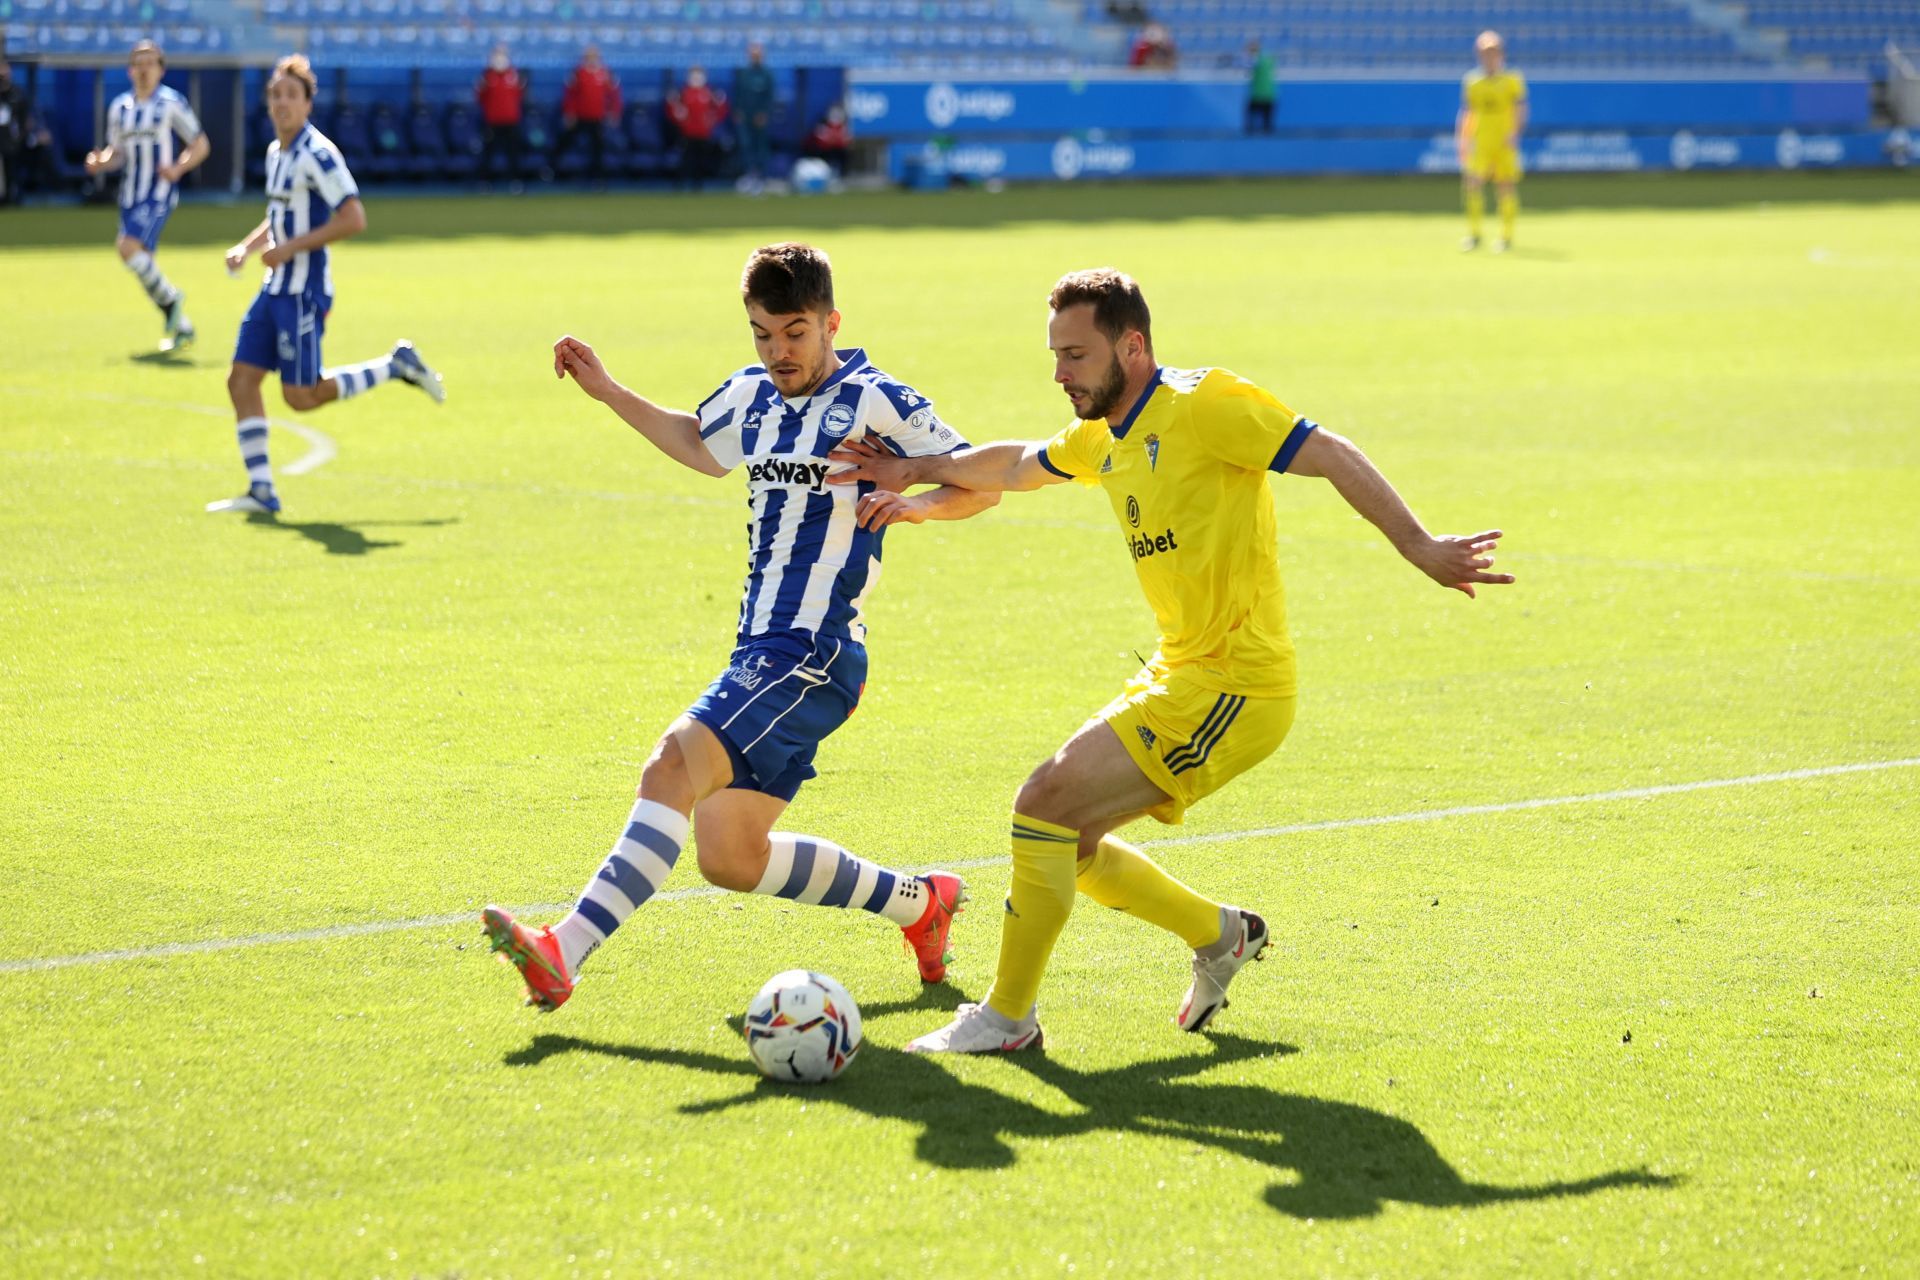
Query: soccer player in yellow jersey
[[1493, 115], [1183, 455]]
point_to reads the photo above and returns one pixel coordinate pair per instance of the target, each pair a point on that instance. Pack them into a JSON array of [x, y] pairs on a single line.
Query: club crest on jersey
[[838, 421], [1153, 453]]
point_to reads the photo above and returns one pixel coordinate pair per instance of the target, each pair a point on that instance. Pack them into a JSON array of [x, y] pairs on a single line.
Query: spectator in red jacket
[[830, 139], [696, 110], [502, 95], [592, 99]]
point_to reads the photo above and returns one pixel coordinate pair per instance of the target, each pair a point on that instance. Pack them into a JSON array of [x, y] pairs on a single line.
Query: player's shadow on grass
[[165, 359], [1344, 1161], [345, 539]]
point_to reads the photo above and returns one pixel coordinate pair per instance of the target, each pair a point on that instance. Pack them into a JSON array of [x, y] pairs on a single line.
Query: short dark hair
[[788, 278], [1118, 305], [147, 46], [296, 66]]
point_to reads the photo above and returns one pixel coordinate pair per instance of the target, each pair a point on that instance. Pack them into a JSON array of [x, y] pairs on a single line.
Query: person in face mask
[[697, 110], [502, 95], [591, 100]]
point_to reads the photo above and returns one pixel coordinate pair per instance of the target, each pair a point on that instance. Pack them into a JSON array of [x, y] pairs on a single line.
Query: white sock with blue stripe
[[632, 873], [820, 873], [252, 434], [158, 287], [355, 378]]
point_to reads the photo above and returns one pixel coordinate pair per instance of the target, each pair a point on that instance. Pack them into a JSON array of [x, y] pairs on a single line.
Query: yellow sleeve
[[1519, 87], [1078, 451], [1246, 426]]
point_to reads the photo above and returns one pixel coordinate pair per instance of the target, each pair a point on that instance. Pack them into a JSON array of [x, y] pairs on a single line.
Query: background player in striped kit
[[311, 202], [740, 753], [141, 129]]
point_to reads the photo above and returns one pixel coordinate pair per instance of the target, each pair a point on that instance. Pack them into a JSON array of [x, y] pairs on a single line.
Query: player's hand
[[572, 356], [881, 508], [278, 254], [1459, 560], [173, 172], [96, 161], [236, 259], [863, 461]]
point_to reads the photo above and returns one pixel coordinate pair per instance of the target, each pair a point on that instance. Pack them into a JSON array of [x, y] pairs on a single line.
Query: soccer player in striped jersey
[[312, 202], [731, 764], [142, 127], [1183, 455]]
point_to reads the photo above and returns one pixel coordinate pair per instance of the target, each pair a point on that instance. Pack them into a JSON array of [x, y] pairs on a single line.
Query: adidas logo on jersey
[[778, 471], [1159, 544]]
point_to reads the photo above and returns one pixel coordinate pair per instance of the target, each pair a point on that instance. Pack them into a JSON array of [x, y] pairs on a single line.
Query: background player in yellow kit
[[1185, 466], [1493, 115]]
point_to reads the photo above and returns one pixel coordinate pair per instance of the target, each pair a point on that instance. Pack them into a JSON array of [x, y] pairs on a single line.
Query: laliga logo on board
[[1687, 151], [1071, 158], [1792, 150], [968, 162], [946, 104], [865, 105]]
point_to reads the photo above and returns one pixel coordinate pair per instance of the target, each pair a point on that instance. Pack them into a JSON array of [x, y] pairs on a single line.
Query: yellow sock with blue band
[[1038, 902], [1120, 876]]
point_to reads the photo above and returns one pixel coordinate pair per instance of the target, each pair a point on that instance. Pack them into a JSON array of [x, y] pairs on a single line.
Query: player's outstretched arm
[[195, 155], [238, 255], [881, 507], [1456, 561], [349, 219], [673, 433], [1008, 466]]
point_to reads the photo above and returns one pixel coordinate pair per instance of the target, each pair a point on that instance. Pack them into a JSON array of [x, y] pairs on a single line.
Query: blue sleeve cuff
[[1048, 464], [1295, 438]]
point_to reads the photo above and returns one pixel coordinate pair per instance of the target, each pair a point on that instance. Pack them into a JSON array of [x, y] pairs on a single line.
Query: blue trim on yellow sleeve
[[1295, 438], [1048, 464], [1126, 423]]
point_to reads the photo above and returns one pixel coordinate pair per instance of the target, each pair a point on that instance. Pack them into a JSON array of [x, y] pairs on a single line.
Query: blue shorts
[[142, 221], [283, 331], [778, 698]]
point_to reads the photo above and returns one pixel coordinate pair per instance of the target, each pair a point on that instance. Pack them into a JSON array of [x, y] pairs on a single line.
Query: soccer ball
[[803, 1028]]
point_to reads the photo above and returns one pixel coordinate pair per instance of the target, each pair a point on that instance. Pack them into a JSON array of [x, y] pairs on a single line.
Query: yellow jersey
[[1491, 99], [1186, 471]]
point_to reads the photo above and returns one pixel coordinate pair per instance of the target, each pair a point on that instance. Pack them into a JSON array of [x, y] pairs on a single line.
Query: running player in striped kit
[[311, 202], [732, 763], [142, 127]]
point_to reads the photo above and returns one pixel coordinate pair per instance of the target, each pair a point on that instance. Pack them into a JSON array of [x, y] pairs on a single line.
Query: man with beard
[[1185, 468]]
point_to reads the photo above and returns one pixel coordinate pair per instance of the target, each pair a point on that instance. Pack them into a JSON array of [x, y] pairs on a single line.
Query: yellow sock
[[1120, 876], [1038, 903], [1476, 209], [1509, 206]]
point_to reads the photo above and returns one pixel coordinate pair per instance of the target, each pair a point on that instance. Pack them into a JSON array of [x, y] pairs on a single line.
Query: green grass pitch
[[1647, 1034]]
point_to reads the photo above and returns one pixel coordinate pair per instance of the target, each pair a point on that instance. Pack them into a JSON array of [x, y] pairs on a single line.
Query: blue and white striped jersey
[[809, 567], [306, 181], [144, 133]]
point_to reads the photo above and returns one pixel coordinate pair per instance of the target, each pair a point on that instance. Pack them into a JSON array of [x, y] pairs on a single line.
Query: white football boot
[[978, 1029], [1208, 994]]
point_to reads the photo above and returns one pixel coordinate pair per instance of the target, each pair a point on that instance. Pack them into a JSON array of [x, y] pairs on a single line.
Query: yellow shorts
[[1190, 740], [1499, 163]]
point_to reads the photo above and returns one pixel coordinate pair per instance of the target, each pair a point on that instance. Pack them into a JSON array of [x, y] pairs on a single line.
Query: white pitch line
[[331, 932], [321, 449]]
